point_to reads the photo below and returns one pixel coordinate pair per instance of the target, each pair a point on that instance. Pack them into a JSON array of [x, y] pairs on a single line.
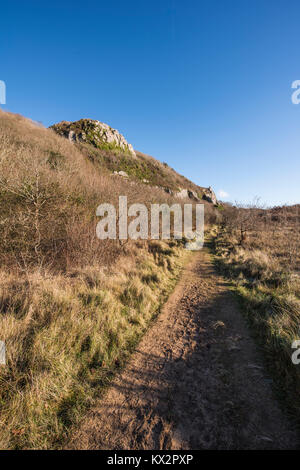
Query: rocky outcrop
[[193, 195], [121, 173], [187, 194], [102, 136], [93, 132], [209, 196]]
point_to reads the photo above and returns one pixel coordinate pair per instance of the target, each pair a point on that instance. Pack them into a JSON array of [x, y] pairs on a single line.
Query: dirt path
[[196, 380]]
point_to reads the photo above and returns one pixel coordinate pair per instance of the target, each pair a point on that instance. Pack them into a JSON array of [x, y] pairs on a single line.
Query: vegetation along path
[[196, 380]]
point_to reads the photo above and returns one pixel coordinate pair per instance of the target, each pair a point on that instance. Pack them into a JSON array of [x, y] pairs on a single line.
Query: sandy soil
[[196, 380]]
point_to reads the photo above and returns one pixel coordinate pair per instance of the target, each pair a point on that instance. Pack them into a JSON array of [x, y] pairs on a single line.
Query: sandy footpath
[[196, 380]]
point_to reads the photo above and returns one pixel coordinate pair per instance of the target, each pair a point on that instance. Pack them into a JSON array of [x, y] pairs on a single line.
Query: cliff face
[[93, 132]]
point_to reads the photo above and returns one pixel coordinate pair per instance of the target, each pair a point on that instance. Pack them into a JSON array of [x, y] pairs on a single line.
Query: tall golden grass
[[66, 335]]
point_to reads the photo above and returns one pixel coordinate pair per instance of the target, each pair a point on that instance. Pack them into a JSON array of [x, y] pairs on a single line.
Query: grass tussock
[[264, 270]]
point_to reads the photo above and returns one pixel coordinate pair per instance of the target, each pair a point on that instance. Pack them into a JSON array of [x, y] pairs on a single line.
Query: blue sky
[[202, 85]]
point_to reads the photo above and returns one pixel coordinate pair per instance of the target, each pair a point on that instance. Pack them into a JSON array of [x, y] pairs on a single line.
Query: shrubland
[[259, 250], [72, 307]]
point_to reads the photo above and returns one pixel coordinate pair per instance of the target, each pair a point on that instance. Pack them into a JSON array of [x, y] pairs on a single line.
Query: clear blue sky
[[202, 85]]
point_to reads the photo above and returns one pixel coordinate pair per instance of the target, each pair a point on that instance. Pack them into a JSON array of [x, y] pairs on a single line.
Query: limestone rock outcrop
[[93, 132], [209, 195], [187, 193]]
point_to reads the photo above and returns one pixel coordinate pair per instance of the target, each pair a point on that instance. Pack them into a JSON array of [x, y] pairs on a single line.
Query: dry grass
[[265, 272], [143, 168], [67, 335], [72, 307], [49, 192]]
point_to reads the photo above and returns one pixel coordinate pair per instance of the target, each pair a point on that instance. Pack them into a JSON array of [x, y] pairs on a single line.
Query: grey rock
[[121, 173], [193, 195], [95, 133], [72, 136], [209, 196]]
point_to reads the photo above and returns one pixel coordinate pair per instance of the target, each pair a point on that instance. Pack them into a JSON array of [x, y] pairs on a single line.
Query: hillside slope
[[108, 149], [72, 306], [50, 189]]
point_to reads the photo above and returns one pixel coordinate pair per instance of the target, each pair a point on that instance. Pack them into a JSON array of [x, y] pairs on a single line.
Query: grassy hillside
[[144, 168], [72, 306], [91, 136]]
